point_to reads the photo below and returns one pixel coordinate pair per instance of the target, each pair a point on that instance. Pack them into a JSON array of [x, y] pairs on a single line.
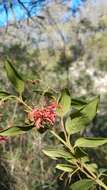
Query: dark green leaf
[[14, 77], [64, 167], [84, 184], [12, 131], [90, 142], [64, 103]]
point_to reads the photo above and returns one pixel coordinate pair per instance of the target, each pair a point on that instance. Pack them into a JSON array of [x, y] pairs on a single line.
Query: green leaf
[[64, 167], [78, 103], [90, 142], [68, 126], [84, 184], [64, 103], [79, 119], [58, 152], [102, 172], [90, 109], [14, 77], [4, 94], [76, 124], [92, 167], [79, 153], [12, 131], [85, 159]]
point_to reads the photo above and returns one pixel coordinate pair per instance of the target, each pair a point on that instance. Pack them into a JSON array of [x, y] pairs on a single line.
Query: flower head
[[45, 115], [3, 138]]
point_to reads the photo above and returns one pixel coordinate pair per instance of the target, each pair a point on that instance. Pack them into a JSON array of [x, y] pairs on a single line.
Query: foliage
[[71, 121], [78, 63]]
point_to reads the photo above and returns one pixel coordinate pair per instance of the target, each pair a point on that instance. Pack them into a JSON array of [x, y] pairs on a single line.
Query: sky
[[15, 11]]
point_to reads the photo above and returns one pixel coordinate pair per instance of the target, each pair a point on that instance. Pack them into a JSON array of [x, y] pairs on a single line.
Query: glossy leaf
[[14, 77], [79, 119], [12, 131], [58, 152], [64, 103], [64, 167], [84, 184], [90, 142]]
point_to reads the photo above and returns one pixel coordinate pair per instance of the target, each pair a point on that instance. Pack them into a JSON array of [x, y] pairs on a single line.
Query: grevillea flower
[[3, 138], [45, 115]]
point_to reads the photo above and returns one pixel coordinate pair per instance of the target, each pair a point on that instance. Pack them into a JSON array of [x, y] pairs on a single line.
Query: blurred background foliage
[[71, 54]]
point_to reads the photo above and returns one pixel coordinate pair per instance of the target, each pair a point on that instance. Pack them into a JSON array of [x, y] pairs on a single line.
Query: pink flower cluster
[[45, 115], [3, 138]]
